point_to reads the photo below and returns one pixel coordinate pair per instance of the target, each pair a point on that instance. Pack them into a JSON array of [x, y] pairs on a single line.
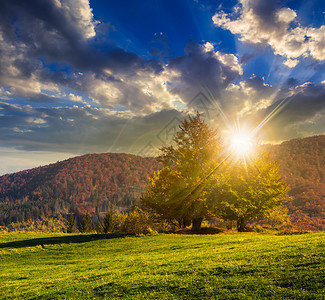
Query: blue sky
[[81, 76]]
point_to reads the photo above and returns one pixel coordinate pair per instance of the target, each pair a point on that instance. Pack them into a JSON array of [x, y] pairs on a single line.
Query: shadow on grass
[[80, 238], [203, 230]]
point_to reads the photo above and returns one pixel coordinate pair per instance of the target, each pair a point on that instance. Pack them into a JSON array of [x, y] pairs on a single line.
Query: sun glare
[[241, 143]]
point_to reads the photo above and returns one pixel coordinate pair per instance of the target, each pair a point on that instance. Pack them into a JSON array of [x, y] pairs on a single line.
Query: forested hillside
[[302, 163], [90, 183], [93, 182]]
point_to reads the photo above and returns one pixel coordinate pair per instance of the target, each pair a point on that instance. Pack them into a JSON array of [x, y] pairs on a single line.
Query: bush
[[279, 217], [112, 222], [137, 222], [39, 225]]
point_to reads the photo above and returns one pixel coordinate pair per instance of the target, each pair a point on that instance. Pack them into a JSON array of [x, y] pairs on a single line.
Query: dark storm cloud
[[203, 69], [199, 67], [38, 14], [50, 46], [306, 103], [36, 33], [246, 57], [47, 43], [291, 82], [301, 114], [265, 11], [73, 129], [259, 90], [49, 51], [257, 83]]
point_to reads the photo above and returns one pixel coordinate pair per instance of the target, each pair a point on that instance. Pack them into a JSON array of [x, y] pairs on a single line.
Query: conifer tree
[[85, 225], [70, 223], [107, 223]]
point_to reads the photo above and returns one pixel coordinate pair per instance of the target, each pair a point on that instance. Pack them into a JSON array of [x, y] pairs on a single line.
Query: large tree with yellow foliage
[[194, 185], [195, 153]]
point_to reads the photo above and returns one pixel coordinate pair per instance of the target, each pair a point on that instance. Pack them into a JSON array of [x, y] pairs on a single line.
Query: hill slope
[[93, 182], [173, 266], [302, 164]]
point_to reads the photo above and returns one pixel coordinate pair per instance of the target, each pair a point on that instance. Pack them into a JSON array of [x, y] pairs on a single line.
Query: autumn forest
[[93, 183]]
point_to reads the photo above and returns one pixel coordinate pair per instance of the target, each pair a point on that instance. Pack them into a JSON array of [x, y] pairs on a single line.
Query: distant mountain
[[93, 182], [90, 183]]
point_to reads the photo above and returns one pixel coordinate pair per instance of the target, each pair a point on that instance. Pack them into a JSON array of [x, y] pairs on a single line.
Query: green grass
[[222, 266]]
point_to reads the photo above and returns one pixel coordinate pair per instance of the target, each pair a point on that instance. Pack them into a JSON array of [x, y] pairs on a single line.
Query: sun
[[241, 143]]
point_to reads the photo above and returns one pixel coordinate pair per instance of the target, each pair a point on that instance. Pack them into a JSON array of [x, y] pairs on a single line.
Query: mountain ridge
[[91, 182]]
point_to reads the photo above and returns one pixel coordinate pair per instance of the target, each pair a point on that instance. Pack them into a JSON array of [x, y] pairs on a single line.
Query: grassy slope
[[224, 266]]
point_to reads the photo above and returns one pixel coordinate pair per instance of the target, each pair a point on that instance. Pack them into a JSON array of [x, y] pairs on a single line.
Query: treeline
[[90, 183], [136, 221]]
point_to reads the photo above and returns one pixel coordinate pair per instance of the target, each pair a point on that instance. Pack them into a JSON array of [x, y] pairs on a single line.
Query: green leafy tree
[[172, 191], [70, 223], [85, 225], [248, 191]]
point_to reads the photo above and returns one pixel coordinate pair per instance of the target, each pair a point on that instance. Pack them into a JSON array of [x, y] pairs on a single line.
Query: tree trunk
[[229, 225], [182, 223], [241, 225], [196, 224]]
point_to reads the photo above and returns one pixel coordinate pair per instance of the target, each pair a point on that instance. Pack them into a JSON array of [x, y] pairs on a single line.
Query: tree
[[172, 191], [70, 223], [279, 217], [248, 191], [107, 223], [136, 222], [85, 225]]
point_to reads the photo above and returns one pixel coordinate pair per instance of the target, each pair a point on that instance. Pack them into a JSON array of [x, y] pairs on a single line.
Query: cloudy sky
[[79, 76]]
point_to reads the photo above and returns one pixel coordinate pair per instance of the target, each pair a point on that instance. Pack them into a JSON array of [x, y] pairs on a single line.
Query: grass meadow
[[164, 266]]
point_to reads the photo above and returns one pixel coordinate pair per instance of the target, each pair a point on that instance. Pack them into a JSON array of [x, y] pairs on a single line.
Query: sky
[[79, 76]]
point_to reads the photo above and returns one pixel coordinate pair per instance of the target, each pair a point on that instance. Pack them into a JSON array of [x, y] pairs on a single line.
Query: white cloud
[[36, 121], [291, 63], [57, 3], [286, 15], [18, 75], [79, 13], [75, 98], [231, 61], [317, 42], [16, 129], [208, 46], [275, 28]]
